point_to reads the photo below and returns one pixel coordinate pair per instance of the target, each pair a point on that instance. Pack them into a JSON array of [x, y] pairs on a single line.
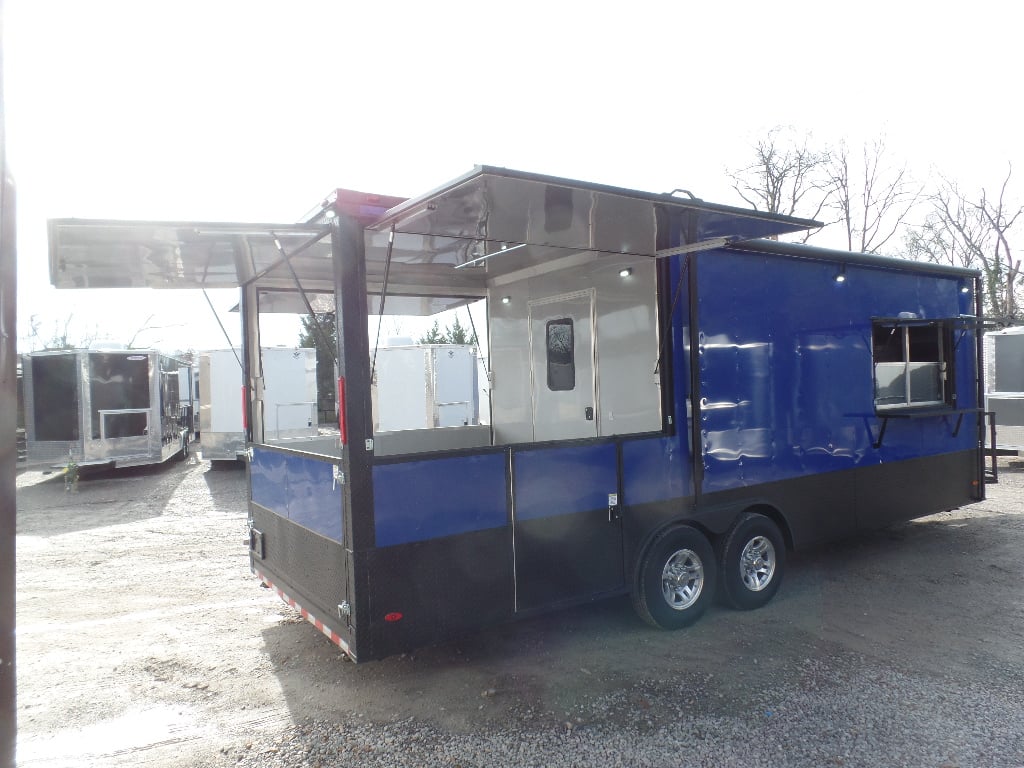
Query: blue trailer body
[[794, 395], [787, 425]]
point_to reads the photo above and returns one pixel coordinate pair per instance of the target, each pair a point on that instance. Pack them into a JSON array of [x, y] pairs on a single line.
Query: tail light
[[341, 411]]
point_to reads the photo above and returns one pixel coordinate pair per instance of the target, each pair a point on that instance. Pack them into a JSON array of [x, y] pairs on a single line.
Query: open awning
[[437, 250], [497, 206], [151, 254]]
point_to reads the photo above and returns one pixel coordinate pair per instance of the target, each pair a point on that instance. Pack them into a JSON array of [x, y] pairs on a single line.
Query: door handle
[[588, 413], [613, 507]]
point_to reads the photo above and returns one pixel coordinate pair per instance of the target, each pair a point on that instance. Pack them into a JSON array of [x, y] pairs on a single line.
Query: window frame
[[942, 360]]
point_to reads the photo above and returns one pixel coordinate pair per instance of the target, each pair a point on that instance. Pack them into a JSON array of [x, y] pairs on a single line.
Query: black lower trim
[[567, 557], [428, 591], [308, 567], [414, 595], [824, 507], [897, 491]]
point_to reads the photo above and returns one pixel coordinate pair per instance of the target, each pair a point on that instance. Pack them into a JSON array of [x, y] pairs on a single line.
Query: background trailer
[[1004, 385], [425, 387], [289, 399], [676, 402], [106, 407]]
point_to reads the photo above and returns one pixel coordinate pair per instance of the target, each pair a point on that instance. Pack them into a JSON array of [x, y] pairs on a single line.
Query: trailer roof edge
[[801, 250]]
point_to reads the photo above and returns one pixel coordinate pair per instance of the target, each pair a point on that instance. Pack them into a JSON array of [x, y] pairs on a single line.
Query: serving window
[[912, 364]]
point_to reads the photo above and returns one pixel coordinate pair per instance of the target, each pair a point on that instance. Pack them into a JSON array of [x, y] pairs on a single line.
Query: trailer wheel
[[676, 579], [753, 558]]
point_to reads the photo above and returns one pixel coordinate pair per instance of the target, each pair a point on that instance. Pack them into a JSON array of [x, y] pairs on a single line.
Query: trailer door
[[567, 533], [562, 357]]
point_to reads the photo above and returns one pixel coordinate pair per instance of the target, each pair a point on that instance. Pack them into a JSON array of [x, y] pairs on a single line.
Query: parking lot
[[143, 639]]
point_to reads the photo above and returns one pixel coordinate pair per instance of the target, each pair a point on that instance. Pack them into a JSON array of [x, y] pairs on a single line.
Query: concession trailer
[[677, 400], [106, 407]]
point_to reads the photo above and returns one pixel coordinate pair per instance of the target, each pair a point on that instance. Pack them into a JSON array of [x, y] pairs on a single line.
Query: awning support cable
[[671, 312], [286, 257], [383, 296], [324, 339], [223, 330], [472, 325]]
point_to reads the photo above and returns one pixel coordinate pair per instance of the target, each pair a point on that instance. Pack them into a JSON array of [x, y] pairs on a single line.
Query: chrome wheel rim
[[682, 579], [757, 563]]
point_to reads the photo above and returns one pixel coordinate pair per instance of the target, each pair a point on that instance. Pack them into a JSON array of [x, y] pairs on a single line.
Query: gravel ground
[[834, 714], [144, 640]]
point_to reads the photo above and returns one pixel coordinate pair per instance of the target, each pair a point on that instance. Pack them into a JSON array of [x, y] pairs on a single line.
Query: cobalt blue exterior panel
[[655, 469], [437, 497], [299, 488], [786, 371], [563, 480]]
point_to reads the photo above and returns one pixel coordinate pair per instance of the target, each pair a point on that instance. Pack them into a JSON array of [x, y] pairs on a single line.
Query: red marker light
[[341, 411], [393, 616]]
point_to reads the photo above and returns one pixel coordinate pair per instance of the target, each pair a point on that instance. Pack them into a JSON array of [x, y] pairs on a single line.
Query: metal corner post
[[8, 456], [979, 310], [8, 452], [252, 364], [353, 355], [354, 369], [696, 434]]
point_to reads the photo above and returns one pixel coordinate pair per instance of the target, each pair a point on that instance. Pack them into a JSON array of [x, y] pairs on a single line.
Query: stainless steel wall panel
[[625, 342]]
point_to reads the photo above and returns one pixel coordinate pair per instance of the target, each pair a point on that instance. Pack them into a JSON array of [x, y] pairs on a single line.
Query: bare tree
[[975, 232], [145, 328], [937, 241], [786, 176], [870, 198], [63, 335]]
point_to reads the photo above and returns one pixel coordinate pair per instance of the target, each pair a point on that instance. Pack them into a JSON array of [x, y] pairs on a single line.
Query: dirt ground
[[143, 639]]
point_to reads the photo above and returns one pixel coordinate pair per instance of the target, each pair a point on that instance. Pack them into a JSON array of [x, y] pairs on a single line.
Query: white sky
[[253, 111]]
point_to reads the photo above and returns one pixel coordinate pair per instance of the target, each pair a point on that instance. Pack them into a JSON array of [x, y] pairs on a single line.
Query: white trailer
[[421, 390], [423, 386], [1004, 385], [289, 399]]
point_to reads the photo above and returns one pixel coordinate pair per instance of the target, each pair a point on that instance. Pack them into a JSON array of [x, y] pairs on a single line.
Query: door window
[[560, 355]]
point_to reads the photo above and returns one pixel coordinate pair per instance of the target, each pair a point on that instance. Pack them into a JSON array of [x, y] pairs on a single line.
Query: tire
[[752, 561], [675, 581]]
